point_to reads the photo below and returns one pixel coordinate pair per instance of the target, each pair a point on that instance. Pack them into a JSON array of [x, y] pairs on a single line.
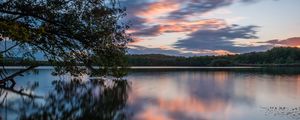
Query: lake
[[157, 94]]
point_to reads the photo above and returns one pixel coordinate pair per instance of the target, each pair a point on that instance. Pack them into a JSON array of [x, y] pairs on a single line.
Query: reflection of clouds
[[195, 95], [281, 88], [269, 89], [157, 86], [192, 107], [152, 113], [178, 109], [213, 95]]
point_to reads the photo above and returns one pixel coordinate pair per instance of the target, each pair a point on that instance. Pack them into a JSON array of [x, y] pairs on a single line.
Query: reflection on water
[[220, 94], [72, 99], [284, 112]]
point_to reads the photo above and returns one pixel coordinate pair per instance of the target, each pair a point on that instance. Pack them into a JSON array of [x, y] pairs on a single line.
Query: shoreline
[[173, 67]]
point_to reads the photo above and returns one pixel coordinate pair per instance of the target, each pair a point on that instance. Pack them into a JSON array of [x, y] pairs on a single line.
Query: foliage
[[220, 62], [277, 55], [66, 32]]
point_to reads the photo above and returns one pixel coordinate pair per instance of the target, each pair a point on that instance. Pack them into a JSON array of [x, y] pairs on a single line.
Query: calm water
[[158, 94]]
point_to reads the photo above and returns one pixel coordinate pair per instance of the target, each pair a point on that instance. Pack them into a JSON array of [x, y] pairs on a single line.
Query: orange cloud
[[191, 26], [213, 52], [291, 42], [180, 26], [158, 8], [222, 52], [155, 23]]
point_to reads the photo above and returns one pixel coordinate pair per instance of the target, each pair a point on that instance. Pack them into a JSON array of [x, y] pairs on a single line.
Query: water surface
[[159, 94]]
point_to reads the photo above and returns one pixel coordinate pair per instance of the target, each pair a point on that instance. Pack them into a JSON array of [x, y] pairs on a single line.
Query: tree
[[221, 62], [67, 33]]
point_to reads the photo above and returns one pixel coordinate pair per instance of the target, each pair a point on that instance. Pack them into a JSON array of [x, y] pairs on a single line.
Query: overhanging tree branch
[[68, 32], [11, 77], [11, 47]]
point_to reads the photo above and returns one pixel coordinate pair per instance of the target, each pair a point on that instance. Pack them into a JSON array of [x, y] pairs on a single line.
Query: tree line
[[275, 56]]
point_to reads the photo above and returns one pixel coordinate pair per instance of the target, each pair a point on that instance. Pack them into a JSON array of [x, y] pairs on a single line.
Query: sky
[[211, 27]]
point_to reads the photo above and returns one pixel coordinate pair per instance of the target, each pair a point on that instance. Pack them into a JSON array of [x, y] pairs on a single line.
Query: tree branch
[[4, 4], [16, 74], [9, 48], [20, 92], [32, 15]]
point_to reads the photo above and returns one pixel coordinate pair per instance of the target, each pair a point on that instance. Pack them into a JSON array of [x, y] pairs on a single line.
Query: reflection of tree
[[10, 89], [78, 99], [7, 101]]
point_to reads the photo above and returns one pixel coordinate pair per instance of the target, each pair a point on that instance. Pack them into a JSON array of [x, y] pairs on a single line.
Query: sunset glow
[[199, 26]]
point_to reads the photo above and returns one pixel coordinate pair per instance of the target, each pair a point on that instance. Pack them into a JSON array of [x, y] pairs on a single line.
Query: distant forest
[[276, 56]]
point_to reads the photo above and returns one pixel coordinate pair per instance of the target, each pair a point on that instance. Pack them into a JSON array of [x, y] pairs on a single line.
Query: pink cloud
[[158, 8], [180, 26], [292, 42]]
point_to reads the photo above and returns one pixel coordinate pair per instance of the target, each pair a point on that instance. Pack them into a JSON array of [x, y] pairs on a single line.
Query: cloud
[[190, 7], [206, 36], [158, 8], [145, 50], [221, 39], [182, 26], [135, 40], [134, 49], [249, 1], [153, 18], [292, 42]]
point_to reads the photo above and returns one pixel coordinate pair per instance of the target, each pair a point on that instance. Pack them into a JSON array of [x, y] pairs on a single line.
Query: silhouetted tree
[[277, 55], [65, 32], [220, 62]]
